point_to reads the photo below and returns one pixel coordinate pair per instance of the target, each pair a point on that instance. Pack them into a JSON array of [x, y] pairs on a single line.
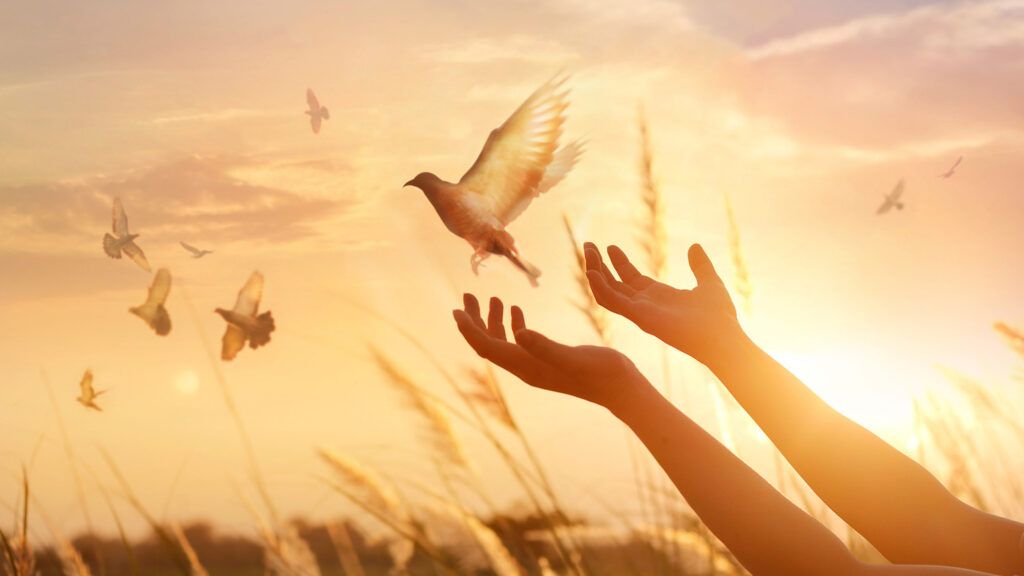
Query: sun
[[187, 382]]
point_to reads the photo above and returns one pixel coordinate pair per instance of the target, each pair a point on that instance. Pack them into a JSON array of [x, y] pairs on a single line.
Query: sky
[[804, 112]]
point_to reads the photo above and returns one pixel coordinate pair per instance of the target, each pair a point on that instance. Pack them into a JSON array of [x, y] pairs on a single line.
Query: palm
[[693, 321], [595, 373]]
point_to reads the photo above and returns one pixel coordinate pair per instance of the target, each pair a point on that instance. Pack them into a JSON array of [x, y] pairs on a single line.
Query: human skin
[[765, 531]]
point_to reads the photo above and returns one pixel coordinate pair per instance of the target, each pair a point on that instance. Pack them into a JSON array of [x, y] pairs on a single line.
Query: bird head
[[223, 313], [424, 181]]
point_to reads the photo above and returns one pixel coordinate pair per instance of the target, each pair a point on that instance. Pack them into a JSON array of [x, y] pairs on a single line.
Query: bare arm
[[766, 533], [889, 498]]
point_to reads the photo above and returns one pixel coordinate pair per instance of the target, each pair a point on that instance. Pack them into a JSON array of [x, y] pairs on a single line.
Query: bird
[[123, 241], [892, 200], [88, 395], [952, 169], [520, 160], [244, 322], [152, 311], [196, 252], [316, 112]]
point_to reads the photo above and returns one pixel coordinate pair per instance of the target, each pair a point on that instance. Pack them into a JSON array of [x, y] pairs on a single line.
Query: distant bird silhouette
[[87, 394], [952, 170], [316, 112], [196, 252], [520, 161], [243, 321], [152, 311], [892, 200], [122, 241]]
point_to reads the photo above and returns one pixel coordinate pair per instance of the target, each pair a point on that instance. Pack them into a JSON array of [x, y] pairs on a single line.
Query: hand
[[700, 322], [600, 375]]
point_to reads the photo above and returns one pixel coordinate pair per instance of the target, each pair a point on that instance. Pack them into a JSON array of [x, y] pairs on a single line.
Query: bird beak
[[409, 183]]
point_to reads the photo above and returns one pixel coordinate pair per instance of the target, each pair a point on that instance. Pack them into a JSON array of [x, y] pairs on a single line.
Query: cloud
[[488, 50], [908, 80], [197, 196]]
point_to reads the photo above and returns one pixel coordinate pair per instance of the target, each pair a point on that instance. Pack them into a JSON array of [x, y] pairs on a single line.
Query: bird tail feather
[[261, 335], [110, 246], [504, 245]]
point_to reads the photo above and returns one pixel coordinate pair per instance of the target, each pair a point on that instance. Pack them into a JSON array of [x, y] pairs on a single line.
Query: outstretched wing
[[885, 207], [314, 122], [314, 104], [85, 386], [248, 302], [120, 219], [232, 342], [195, 251], [513, 162], [896, 193], [956, 164], [160, 288], [137, 255]]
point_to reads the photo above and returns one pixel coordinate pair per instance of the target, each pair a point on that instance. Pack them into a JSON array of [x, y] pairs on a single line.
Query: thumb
[[702, 267], [544, 348]]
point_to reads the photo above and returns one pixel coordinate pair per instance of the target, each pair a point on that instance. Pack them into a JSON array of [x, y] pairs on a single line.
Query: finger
[[703, 269], [518, 320], [627, 272], [495, 325], [511, 357], [472, 307], [546, 350], [596, 263], [607, 296]]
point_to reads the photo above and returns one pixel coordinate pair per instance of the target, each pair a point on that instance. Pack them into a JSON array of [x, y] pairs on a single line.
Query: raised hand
[[700, 322], [600, 375]]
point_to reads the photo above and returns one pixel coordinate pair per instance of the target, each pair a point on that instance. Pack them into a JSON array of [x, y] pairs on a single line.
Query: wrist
[[730, 346], [634, 403]]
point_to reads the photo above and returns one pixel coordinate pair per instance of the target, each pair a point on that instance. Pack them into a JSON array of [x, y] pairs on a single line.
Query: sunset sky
[[805, 112]]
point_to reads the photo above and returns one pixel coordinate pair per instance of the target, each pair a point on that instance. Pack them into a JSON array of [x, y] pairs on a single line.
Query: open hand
[[700, 322], [595, 373]]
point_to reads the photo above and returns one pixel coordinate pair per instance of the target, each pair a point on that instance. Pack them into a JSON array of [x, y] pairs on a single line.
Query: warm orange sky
[[805, 112]]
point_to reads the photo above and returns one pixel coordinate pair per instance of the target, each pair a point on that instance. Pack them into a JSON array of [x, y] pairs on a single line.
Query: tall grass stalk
[[348, 557], [255, 473], [195, 566]]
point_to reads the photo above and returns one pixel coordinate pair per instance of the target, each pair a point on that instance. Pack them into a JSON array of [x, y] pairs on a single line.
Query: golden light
[[187, 382]]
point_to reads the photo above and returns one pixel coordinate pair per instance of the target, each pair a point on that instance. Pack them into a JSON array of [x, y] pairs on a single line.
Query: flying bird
[[152, 311], [892, 200], [196, 252], [122, 241], [244, 322], [88, 395], [952, 169], [520, 161], [316, 112]]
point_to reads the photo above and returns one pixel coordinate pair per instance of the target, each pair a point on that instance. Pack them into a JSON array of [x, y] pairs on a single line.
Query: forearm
[[886, 496], [766, 533]]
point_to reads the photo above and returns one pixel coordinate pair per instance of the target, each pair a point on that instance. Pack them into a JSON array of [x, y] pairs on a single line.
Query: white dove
[[122, 241], [892, 200], [152, 311], [316, 112], [88, 395], [196, 252], [243, 321], [952, 170], [520, 161]]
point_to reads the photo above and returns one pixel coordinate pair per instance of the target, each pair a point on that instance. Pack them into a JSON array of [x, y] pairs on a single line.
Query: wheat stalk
[[596, 315], [437, 424], [743, 286], [348, 557], [653, 238]]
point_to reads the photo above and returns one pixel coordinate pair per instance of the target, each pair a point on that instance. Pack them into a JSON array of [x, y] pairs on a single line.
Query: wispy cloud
[[203, 196], [488, 50], [218, 116]]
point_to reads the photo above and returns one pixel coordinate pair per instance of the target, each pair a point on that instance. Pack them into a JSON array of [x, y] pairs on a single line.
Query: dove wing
[[894, 196], [248, 302], [190, 248], [886, 205], [86, 385], [120, 219], [516, 157], [314, 104], [137, 255], [232, 342], [160, 288], [314, 122]]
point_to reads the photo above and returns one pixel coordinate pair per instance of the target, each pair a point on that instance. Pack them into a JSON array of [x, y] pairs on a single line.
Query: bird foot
[[475, 260]]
